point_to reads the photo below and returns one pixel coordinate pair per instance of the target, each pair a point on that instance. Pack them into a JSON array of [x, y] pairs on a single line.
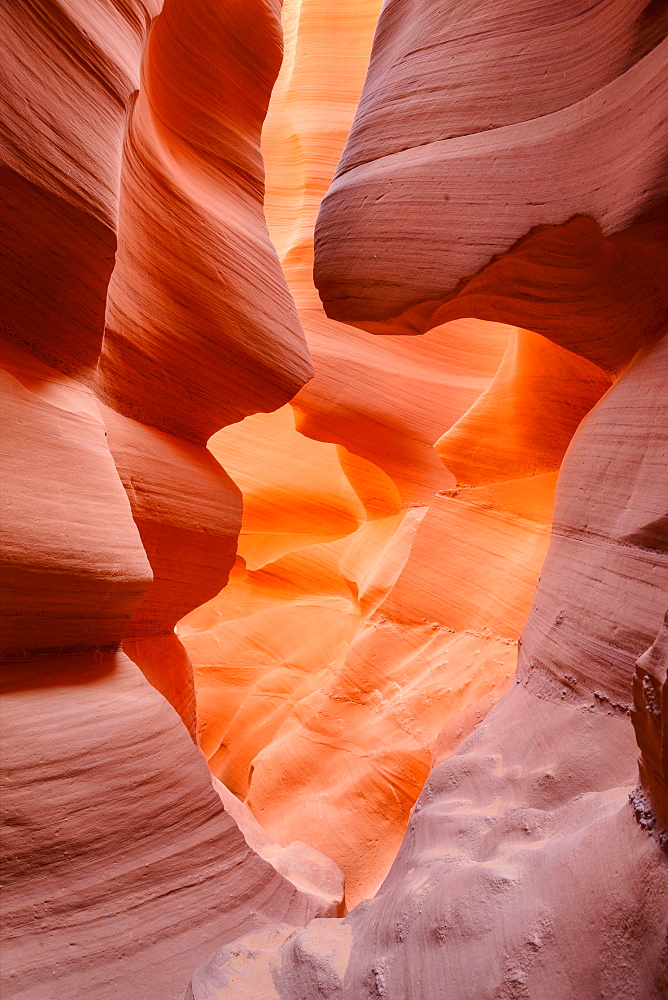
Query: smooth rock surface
[[122, 860], [122, 864], [404, 227], [190, 345], [69, 71], [322, 680], [74, 568], [525, 871]]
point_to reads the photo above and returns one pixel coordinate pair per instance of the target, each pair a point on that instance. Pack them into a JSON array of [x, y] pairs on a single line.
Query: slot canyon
[[334, 353]]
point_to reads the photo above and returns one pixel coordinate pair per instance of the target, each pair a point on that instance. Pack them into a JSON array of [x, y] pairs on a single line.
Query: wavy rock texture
[[327, 668], [122, 859], [61, 166], [503, 165], [190, 345], [384, 400], [73, 564], [502, 874], [523, 843], [426, 273]]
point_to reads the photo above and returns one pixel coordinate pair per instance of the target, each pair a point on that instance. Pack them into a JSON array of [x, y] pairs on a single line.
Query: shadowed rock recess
[[334, 355]]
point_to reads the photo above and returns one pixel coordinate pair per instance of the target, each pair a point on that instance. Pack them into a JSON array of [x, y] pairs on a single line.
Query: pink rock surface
[[121, 862], [73, 564], [487, 896], [525, 871], [453, 70], [604, 585], [69, 71], [112, 529], [490, 183], [650, 800]]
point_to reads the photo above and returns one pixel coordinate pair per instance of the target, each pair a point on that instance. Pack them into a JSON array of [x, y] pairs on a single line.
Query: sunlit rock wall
[[509, 164], [122, 863], [381, 584]]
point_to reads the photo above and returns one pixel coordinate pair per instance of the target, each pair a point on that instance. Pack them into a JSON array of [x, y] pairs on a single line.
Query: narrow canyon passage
[[377, 597], [335, 458]]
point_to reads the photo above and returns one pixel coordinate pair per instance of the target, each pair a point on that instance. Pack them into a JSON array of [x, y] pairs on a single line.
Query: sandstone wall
[[497, 169], [381, 588], [122, 860]]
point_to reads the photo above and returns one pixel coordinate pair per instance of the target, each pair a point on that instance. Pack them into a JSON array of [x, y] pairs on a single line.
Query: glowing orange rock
[[322, 680], [523, 422], [359, 749], [386, 401], [190, 344], [501, 874]]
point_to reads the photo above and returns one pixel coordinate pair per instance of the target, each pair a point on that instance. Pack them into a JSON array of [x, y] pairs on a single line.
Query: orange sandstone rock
[[523, 843], [387, 400], [359, 749], [327, 669], [191, 344], [523, 422], [188, 512], [323, 682]]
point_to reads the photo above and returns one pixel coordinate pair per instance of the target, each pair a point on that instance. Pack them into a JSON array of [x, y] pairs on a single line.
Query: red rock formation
[[122, 861], [188, 513], [191, 217], [505, 165], [267, 650], [69, 73], [608, 535], [73, 565], [523, 844], [412, 284], [385, 400], [322, 681]]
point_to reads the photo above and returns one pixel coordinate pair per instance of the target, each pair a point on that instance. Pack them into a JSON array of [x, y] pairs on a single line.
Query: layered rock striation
[[335, 619], [381, 587], [458, 196], [123, 862]]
